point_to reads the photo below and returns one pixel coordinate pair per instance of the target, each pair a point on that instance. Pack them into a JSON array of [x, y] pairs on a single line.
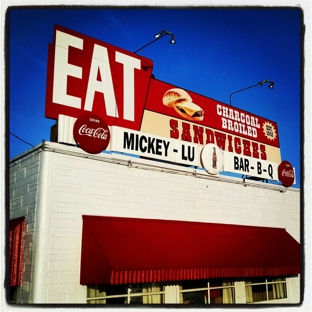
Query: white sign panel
[[250, 166], [156, 147], [212, 158]]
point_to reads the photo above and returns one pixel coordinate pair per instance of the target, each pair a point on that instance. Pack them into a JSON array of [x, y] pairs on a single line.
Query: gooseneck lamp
[[158, 36], [261, 83]]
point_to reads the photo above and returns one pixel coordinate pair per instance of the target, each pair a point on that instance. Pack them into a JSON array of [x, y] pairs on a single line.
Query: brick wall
[[23, 194], [84, 186]]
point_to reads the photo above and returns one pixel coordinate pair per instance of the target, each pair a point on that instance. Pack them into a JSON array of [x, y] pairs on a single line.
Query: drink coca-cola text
[[99, 133]]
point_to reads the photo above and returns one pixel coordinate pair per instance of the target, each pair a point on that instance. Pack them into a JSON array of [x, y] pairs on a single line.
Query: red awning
[[16, 249], [128, 250]]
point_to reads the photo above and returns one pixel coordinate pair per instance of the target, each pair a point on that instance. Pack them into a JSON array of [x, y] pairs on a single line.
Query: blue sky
[[217, 51]]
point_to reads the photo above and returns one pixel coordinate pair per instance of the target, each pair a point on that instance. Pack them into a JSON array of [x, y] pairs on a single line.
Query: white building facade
[[53, 186]]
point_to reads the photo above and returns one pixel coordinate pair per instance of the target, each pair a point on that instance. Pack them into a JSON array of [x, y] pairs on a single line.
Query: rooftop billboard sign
[[86, 75]]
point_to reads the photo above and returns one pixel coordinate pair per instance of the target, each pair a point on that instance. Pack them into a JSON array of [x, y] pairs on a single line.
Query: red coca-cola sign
[[91, 133], [286, 173]]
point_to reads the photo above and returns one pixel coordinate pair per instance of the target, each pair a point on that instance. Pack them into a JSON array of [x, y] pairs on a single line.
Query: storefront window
[[96, 294], [216, 291], [259, 290], [146, 293], [199, 292], [135, 289]]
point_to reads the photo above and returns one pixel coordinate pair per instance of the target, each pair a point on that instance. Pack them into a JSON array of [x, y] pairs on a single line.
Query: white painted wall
[[72, 185], [24, 179]]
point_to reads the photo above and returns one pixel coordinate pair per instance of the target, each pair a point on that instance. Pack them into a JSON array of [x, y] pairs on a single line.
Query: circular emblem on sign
[[212, 158], [91, 133], [269, 131], [286, 173]]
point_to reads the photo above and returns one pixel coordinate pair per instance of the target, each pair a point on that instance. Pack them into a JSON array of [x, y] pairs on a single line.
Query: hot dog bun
[[175, 96]]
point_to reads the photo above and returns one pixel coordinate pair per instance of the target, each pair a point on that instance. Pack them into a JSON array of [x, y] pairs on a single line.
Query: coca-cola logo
[[99, 133], [91, 133], [286, 173]]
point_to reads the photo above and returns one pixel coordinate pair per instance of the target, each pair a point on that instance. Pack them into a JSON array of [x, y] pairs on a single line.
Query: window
[[96, 293], [214, 291], [259, 290], [147, 293]]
